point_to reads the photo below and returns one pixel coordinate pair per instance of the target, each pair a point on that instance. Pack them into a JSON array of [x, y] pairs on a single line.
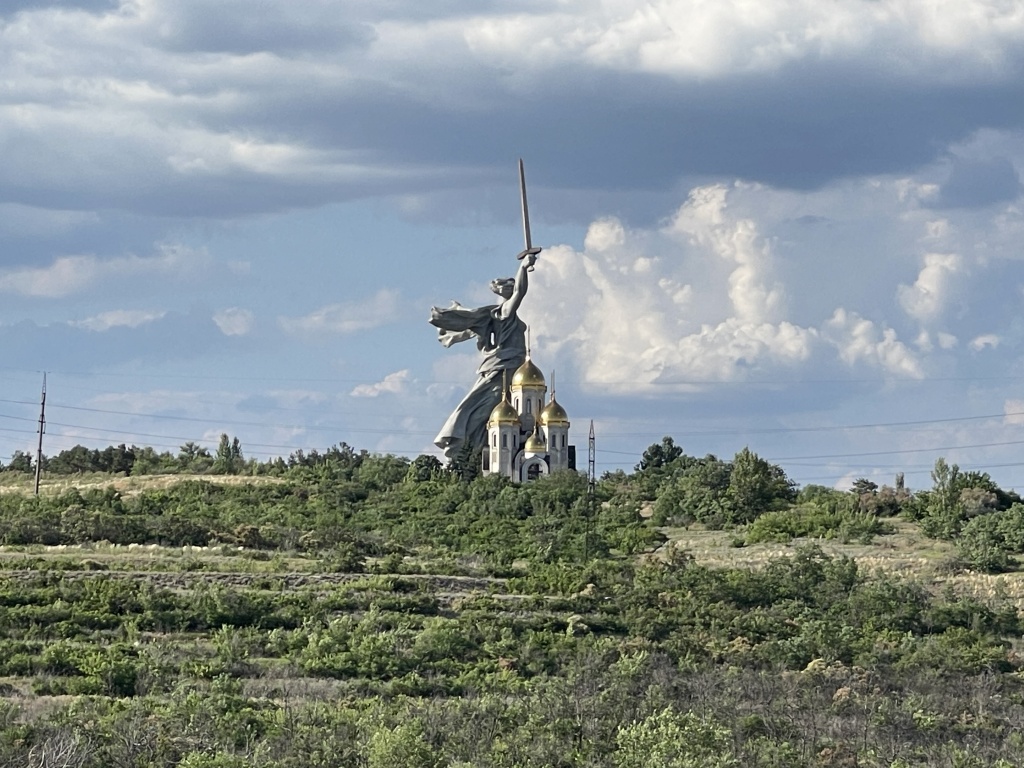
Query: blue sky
[[789, 225]]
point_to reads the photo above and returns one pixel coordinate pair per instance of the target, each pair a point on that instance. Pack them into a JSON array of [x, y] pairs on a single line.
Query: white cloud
[[393, 383], [1014, 412], [694, 301], [745, 281], [291, 397], [985, 341], [235, 321], [380, 309], [127, 318], [75, 274], [859, 340], [692, 38], [194, 403], [703, 219], [936, 286], [604, 235]]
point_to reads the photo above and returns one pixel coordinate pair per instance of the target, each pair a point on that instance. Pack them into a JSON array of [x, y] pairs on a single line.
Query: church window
[[504, 441], [528, 404]]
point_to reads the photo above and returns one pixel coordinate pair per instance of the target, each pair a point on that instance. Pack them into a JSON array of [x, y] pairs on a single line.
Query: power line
[[780, 430], [93, 433], [325, 428], [901, 451], [121, 375], [837, 428]]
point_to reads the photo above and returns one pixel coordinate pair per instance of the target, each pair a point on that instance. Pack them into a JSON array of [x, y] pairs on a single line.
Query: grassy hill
[[324, 620]]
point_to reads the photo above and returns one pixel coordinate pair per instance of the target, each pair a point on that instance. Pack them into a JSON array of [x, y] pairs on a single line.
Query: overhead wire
[[686, 433], [777, 430], [134, 434]]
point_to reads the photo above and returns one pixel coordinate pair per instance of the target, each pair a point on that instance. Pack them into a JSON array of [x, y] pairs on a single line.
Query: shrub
[[670, 739], [833, 520]]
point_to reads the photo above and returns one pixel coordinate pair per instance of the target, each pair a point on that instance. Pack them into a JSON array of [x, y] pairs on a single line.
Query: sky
[[787, 225]]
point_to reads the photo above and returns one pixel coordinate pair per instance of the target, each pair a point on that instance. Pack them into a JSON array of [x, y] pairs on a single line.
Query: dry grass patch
[[16, 482], [905, 550]]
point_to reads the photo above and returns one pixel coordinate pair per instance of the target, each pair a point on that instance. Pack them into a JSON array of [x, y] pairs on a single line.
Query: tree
[[956, 497], [148, 461], [381, 471], [423, 468], [193, 457], [700, 491], [117, 459], [659, 455], [229, 459], [982, 547], [74, 460], [757, 486], [862, 486], [657, 465], [465, 464]]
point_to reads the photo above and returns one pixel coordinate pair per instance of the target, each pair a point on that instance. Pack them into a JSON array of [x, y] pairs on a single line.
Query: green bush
[[832, 520], [671, 739]]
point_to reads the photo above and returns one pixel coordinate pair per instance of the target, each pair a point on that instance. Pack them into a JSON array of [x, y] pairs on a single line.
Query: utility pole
[[591, 483], [42, 429]]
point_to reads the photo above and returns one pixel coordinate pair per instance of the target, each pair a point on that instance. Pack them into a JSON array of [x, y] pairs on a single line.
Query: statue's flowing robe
[[503, 344]]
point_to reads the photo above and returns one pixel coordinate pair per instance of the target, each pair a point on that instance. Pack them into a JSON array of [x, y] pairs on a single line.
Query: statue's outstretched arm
[[527, 259]]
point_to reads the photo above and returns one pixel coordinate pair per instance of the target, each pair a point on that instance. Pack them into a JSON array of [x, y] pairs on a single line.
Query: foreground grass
[[702, 653], [906, 553]]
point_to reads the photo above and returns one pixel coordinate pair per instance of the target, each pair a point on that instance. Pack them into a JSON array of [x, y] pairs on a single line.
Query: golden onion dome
[[535, 444], [503, 413], [528, 375], [554, 414]]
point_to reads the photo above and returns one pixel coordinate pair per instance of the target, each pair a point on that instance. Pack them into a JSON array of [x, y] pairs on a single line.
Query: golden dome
[[528, 375], [554, 414], [535, 444], [503, 413]]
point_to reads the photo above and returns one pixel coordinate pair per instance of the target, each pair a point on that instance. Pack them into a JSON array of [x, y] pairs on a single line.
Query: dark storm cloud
[[979, 183], [36, 237], [451, 117], [644, 131], [246, 27], [11, 7]]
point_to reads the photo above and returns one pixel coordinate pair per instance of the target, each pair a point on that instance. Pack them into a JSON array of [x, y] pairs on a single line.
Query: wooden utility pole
[[42, 429]]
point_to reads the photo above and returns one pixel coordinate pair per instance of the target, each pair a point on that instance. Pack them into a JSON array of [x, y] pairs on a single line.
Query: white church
[[527, 438]]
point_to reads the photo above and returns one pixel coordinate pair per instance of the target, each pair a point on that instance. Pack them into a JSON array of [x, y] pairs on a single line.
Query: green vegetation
[[350, 609]]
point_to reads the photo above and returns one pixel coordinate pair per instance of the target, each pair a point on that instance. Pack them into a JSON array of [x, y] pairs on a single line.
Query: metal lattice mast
[[591, 463], [42, 429], [591, 484]]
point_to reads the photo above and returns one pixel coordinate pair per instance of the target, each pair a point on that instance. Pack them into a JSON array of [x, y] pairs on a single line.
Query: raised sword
[[526, 215]]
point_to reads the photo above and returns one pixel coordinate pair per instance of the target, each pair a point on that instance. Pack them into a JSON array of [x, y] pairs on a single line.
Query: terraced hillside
[[302, 622]]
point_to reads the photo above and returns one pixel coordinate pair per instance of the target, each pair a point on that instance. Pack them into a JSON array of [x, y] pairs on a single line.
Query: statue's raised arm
[[521, 282]]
